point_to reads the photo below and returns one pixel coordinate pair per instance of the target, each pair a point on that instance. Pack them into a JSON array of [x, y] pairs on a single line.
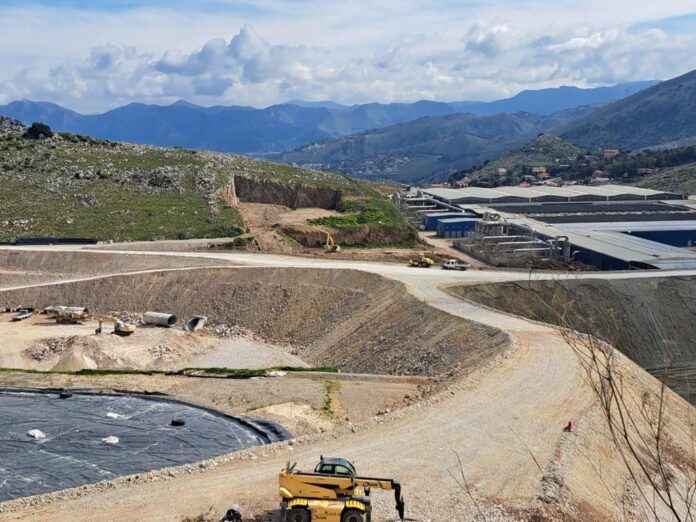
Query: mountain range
[[284, 127], [660, 116], [428, 149]]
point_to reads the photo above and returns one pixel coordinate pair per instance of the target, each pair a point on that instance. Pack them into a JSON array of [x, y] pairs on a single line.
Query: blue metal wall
[[430, 221], [678, 238], [455, 227]]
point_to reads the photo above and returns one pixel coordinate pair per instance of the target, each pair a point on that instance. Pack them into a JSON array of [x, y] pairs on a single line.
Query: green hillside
[[680, 179], [74, 186], [662, 114], [546, 150], [428, 148]]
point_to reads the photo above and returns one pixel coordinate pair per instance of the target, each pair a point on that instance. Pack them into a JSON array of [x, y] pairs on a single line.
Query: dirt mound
[[356, 321], [74, 362], [649, 320]]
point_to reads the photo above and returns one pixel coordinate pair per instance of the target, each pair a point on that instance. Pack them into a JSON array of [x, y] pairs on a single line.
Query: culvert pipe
[[195, 323], [159, 319]]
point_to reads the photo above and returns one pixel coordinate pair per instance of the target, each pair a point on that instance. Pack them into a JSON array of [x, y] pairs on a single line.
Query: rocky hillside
[[428, 148], [680, 179], [68, 185], [546, 150], [656, 116]]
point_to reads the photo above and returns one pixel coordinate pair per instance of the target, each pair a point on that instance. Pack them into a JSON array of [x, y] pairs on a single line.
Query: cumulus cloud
[[489, 41], [479, 60]]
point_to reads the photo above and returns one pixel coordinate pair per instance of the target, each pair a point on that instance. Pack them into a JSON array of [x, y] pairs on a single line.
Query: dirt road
[[505, 423]]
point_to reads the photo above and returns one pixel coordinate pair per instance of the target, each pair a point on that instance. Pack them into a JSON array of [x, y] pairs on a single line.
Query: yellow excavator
[[330, 245], [332, 493], [421, 260], [123, 328]]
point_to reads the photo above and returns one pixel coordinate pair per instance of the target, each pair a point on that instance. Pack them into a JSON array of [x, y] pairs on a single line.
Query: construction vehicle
[[123, 328], [68, 314], [120, 327], [421, 260], [332, 493], [330, 245]]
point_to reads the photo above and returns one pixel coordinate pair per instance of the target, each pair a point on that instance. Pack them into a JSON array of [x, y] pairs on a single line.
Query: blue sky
[[95, 55]]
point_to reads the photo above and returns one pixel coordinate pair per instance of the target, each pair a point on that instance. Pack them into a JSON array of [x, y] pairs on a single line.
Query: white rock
[[113, 415], [36, 434], [111, 439]]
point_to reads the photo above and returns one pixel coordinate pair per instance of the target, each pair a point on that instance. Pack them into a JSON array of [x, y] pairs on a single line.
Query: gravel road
[[505, 423]]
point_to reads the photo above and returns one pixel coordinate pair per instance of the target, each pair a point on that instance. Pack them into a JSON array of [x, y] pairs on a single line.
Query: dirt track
[[505, 422]]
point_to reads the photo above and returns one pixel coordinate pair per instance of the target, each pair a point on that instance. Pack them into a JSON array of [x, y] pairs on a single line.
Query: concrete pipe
[[195, 323], [159, 319]]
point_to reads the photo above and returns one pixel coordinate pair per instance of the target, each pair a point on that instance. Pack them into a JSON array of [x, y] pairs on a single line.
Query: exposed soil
[[30, 267], [503, 413], [355, 321], [646, 319], [297, 400]]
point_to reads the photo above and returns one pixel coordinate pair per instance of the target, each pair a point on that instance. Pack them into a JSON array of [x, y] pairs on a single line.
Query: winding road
[[505, 423]]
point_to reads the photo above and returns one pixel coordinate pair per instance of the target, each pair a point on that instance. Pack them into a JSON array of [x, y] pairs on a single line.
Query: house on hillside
[[599, 181], [610, 153]]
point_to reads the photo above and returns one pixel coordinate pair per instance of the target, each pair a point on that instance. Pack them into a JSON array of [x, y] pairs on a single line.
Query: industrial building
[[609, 227]]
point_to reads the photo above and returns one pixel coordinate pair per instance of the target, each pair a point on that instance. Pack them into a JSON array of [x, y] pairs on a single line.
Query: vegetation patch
[[66, 185], [240, 373]]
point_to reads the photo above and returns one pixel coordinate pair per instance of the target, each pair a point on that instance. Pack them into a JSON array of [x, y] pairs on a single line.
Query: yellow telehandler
[[332, 493]]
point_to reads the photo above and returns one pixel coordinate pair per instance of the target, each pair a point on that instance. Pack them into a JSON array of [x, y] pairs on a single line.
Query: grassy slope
[[72, 186], [678, 179], [658, 115], [544, 150]]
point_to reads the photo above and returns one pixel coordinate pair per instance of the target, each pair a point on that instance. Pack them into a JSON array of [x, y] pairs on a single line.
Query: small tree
[[38, 131]]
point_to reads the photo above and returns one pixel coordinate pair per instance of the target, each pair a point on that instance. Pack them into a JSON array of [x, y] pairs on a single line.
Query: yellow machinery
[[330, 245], [332, 493], [123, 328], [120, 327], [421, 261]]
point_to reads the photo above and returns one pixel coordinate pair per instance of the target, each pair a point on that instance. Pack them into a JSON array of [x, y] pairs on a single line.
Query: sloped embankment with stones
[[352, 320], [649, 320]]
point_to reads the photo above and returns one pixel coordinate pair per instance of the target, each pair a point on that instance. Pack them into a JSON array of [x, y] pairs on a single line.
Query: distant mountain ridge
[[284, 127], [661, 115], [430, 148]]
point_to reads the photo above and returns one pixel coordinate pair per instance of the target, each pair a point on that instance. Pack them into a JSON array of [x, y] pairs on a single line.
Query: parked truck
[[455, 264]]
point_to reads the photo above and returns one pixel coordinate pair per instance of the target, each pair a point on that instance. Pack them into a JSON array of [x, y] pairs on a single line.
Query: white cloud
[[396, 50]]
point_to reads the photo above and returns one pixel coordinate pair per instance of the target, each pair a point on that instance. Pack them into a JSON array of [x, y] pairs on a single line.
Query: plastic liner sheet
[[73, 452]]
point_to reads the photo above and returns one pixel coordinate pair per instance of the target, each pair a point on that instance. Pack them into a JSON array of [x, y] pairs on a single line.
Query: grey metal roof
[[480, 194], [631, 226], [617, 245], [458, 220]]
